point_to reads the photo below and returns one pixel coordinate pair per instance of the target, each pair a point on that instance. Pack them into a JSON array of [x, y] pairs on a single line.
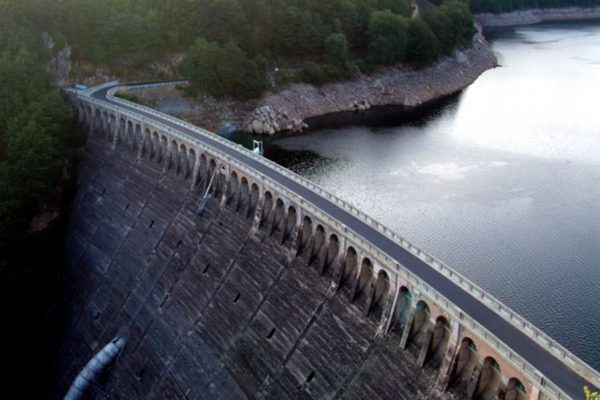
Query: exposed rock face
[[66, 72], [265, 120], [397, 85], [489, 20], [357, 106], [60, 65]]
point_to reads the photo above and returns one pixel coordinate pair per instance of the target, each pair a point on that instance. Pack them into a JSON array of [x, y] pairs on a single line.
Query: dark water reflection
[[502, 183]]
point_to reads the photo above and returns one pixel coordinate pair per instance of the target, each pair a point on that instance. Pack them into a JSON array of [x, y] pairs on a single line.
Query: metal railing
[[568, 358]]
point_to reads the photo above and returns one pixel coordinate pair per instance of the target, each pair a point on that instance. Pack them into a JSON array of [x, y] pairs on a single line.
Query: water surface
[[502, 183]]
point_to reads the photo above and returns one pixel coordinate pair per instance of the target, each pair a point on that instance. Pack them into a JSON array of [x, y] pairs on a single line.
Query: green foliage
[[400, 7], [388, 35], [36, 126], [123, 35], [452, 24], [223, 71], [423, 46], [298, 32], [336, 47], [462, 26], [441, 25], [319, 74]]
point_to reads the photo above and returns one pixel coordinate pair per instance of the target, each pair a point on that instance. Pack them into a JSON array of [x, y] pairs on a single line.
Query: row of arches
[[368, 288], [152, 145], [470, 375], [241, 194], [482, 380], [355, 277]]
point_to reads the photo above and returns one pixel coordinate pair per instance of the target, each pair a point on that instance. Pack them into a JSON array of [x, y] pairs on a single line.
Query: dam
[[268, 286]]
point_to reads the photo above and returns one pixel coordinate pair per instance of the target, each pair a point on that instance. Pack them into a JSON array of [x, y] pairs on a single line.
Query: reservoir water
[[502, 182]]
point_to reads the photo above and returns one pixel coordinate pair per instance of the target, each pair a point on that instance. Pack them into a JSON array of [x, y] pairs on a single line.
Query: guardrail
[[569, 359]]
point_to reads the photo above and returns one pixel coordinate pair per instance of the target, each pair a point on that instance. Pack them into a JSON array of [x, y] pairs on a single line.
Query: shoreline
[[394, 90], [401, 88], [535, 16]]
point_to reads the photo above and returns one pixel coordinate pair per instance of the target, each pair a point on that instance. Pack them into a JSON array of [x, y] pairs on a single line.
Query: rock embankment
[[397, 85], [265, 120], [527, 17], [288, 109]]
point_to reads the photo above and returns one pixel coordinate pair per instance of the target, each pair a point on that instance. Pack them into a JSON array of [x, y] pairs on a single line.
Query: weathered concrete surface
[[234, 316]]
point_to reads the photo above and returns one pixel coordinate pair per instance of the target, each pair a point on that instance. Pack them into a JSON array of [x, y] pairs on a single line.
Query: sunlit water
[[503, 184]]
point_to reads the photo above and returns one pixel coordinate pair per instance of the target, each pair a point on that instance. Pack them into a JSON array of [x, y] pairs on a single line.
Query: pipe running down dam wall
[[264, 295]]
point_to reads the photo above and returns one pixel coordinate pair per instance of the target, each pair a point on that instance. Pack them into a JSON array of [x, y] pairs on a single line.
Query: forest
[[36, 128], [230, 44]]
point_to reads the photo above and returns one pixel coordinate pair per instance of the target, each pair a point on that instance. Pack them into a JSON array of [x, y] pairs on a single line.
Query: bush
[[336, 47], [423, 47], [317, 75], [223, 71], [388, 35]]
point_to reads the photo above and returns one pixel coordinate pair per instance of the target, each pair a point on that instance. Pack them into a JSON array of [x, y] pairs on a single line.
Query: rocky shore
[[527, 17], [289, 109]]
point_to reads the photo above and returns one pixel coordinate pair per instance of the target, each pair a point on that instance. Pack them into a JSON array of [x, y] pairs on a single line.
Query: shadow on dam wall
[[237, 313]]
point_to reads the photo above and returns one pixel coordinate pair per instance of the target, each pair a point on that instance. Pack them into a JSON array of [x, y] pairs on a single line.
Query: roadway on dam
[[540, 358]]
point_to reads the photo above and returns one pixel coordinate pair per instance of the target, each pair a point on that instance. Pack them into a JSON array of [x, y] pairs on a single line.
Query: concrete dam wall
[[228, 276], [246, 307]]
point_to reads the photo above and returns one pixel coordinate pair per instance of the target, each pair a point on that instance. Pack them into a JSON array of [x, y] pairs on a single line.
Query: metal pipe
[[94, 368]]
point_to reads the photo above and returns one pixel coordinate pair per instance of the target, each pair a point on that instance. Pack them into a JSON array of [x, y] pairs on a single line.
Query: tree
[[388, 35], [462, 27], [336, 47], [440, 23], [423, 47], [400, 7], [223, 71]]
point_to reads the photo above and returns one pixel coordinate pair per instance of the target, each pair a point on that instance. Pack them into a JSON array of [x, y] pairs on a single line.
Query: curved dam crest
[[263, 296]]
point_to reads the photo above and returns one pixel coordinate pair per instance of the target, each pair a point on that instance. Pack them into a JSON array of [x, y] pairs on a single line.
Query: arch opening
[[402, 311], [254, 196], [305, 234], [515, 390], [364, 283], [464, 366], [232, 189], [439, 341], [421, 325], [129, 141], [381, 293], [137, 137], [267, 209], [244, 197], [333, 250], [191, 162], [278, 218], [290, 223], [122, 132], [349, 269], [317, 245], [489, 380], [146, 143]]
